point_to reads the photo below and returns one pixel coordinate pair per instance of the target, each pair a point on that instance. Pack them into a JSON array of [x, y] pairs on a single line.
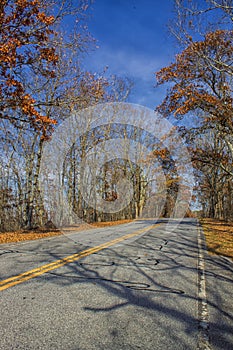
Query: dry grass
[[26, 235], [219, 237]]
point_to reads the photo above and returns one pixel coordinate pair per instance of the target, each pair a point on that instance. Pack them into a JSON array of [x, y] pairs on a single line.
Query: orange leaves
[[21, 3], [38, 121], [162, 153], [201, 77], [8, 51], [27, 105], [48, 54], [12, 82], [190, 63], [42, 17], [24, 42], [166, 74], [219, 38]]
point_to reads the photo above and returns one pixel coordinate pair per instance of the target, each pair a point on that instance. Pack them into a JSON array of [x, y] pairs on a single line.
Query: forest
[[44, 82]]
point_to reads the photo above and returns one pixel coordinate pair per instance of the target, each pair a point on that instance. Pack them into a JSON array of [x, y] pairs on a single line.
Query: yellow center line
[[14, 280]]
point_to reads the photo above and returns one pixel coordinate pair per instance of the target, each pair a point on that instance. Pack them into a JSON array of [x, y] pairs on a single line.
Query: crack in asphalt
[[128, 284]]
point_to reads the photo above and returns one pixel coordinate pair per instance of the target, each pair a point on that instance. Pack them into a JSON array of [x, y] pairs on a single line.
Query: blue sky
[[133, 42]]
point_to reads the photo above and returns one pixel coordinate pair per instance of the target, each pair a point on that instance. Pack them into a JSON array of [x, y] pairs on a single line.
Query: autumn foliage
[[200, 78], [200, 89], [25, 31], [43, 82]]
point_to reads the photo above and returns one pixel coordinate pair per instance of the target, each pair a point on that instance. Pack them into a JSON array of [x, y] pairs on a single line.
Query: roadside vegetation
[[26, 235], [218, 234], [43, 80], [219, 237]]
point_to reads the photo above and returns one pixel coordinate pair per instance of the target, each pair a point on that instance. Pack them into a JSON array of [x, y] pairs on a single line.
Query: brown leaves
[[219, 237], [42, 17], [161, 153], [25, 31], [88, 90], [200, 76], [48, 54]]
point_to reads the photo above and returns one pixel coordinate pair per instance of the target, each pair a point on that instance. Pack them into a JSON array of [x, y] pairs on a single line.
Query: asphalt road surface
[[145, 285]]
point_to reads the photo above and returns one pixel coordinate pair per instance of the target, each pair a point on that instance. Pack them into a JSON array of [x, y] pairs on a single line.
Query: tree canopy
[[200, 89]]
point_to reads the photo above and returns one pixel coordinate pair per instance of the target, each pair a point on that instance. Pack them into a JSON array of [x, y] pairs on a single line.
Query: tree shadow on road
[[148, 284], [146, 274]]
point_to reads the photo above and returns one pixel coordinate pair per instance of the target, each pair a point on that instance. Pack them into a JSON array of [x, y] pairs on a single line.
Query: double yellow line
[[14, 280]]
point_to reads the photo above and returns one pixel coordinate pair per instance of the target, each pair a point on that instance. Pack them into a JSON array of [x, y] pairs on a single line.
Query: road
[[136, 286]]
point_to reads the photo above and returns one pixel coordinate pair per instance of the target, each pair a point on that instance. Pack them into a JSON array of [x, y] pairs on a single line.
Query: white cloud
[[137, 66], [124, 62]]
